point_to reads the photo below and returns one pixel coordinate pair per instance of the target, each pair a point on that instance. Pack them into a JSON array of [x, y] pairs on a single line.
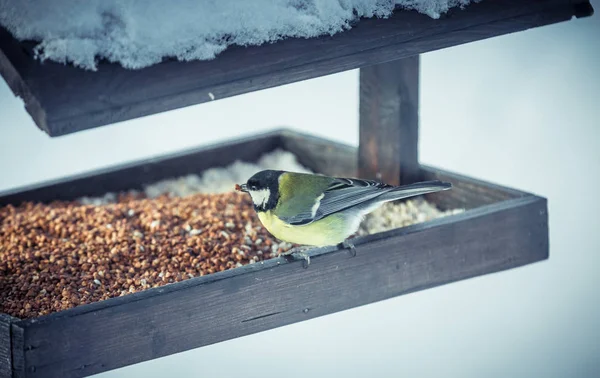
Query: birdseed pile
[[63, 254]]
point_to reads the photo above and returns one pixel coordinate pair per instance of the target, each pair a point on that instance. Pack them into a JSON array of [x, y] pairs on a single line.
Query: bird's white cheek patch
[[260, 197]]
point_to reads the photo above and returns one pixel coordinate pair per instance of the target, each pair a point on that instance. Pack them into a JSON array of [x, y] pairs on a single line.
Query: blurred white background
[[522, 110]]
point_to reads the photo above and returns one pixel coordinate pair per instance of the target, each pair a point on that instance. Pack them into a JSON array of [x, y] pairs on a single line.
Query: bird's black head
[[263, 187]]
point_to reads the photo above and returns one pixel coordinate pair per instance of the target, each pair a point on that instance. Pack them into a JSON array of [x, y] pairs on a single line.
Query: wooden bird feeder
[[502, 228]]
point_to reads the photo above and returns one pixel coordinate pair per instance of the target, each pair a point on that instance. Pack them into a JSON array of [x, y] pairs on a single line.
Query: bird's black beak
[[244, 188]]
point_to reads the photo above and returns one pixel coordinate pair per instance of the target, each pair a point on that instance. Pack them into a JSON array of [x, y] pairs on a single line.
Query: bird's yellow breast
[[330, 230]]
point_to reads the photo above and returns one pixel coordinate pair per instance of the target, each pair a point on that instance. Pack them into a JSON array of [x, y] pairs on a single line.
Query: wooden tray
[[501, 229]]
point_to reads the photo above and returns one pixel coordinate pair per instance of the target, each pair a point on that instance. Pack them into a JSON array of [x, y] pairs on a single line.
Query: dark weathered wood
[[334, 158], [63, 99], [137, 174], [389, 122], [210, 309], [12, 351], [321, 155], [13, 70], [18, 351], [5, 346], [467, 193]]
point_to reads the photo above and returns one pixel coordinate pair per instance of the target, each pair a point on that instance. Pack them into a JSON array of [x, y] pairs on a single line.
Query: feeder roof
[[80, 65], [138, 34]]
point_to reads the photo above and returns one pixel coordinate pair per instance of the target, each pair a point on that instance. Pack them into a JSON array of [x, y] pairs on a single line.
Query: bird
[[314, 210]]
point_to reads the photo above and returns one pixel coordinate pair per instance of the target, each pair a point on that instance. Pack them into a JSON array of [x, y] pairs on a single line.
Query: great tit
[[316, 210]]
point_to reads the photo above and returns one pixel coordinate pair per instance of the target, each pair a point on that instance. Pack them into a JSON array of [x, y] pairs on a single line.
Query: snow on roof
[[140, 33]]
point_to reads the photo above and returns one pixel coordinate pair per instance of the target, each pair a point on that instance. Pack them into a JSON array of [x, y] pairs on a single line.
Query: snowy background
[[521, 110]]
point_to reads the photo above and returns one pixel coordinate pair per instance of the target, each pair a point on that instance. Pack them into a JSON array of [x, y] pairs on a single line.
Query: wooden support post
[[389, 122]]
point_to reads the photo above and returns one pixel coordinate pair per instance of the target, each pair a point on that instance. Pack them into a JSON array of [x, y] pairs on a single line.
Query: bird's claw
[[300, 251], [347, 245], [306, 258]]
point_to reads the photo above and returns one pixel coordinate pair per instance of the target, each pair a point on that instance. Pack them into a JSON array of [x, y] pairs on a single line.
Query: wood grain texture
[[18, 351], [389, 122], [207, 310], [5, 346], [62, 99]]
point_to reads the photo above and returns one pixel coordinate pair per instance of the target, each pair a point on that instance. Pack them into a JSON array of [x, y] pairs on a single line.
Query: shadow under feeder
[[502, 228]]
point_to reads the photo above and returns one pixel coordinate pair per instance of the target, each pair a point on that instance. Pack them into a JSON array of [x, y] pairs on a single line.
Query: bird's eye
[[252, 185]]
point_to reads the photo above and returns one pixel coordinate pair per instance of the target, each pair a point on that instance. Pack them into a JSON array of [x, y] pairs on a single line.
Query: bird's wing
[[340, 194]]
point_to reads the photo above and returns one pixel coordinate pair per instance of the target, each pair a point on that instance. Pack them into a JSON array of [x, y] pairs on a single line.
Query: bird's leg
[[306, 258], [300, 251], [348, 245]]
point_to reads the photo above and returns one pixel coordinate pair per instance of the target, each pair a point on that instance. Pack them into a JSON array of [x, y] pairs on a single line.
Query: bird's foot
[[348, 245], [306, 258], [300, 251]]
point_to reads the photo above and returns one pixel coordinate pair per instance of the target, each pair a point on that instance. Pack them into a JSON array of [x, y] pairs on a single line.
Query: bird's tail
[[415, 189]]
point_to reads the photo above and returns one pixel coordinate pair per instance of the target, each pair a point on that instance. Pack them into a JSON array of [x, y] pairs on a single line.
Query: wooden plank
[[14, 64], [18, 352], [320, 155], [5, 346], [340, 159], [467, 193], [206, 310], [389, 122], [135, 175], [12, 360], [62, 99]]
